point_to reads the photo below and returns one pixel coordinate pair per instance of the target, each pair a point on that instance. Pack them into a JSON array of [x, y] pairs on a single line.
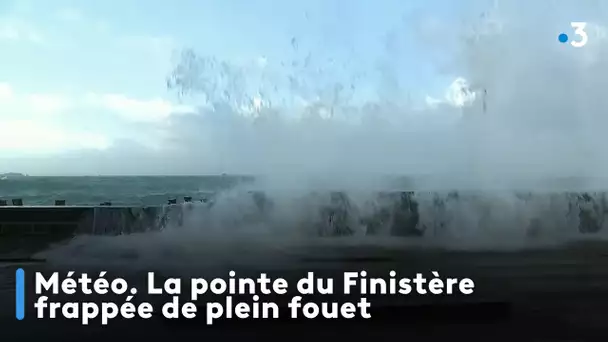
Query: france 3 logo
[[579, 31]]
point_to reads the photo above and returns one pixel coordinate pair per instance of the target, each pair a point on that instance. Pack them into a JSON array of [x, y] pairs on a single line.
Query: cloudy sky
[[83, 85]]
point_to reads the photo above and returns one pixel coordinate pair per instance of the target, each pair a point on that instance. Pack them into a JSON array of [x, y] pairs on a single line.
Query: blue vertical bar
[[20, 294]]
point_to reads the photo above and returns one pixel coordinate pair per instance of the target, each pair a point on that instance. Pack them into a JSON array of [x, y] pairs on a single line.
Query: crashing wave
[[453, 215]]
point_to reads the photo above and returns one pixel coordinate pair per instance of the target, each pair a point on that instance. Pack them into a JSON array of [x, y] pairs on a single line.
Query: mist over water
[[524, 113]]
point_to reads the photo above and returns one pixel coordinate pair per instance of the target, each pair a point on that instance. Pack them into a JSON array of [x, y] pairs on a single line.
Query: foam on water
[[529, 109]]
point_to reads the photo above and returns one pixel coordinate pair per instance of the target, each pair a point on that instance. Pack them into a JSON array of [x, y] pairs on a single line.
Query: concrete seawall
[[24, 228]]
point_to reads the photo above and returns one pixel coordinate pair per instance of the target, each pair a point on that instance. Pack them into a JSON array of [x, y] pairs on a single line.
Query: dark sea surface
[[127, 190], [156, 190]]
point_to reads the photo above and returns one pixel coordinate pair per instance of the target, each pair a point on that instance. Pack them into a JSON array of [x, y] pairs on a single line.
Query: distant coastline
[[12, 175]]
